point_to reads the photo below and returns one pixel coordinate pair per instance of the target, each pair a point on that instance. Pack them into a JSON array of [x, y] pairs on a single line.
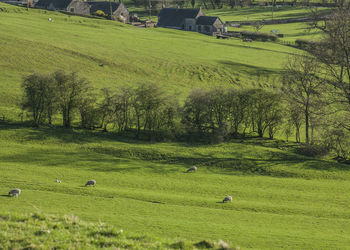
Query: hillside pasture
[[280, 199], [111, 54], [259, 13]]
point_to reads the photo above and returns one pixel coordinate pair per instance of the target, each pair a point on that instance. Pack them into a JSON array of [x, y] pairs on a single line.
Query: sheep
[[90, 182], [227, 198], [15, 192], [192, 169], [58, 181]]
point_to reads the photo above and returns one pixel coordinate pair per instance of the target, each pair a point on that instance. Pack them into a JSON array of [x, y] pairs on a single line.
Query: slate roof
[[59, 4], [206, 20], [173, 17], [104, 6]]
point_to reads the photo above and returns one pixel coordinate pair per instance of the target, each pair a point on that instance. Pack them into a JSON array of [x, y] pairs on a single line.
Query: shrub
[[100, 13], [312, 150], [305, 44], [257, 36]]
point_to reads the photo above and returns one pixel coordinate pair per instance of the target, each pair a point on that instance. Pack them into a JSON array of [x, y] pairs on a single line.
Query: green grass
[[40, 231], [279, 199], [177, 60], [261, 13], [291, 31]]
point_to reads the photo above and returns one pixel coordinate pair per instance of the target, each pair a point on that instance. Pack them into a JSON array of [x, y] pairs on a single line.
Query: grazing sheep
[[58, 181], [227, 198], [15, 192], [90, 182], [192, 169]]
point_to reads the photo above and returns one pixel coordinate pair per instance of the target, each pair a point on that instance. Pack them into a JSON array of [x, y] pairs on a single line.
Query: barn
[[74, 6], [209, 24], [191, 20], [117, 11], [174, 18]]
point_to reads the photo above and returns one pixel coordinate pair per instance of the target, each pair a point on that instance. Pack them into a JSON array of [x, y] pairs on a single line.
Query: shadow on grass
[[110, 158], [248, 69]]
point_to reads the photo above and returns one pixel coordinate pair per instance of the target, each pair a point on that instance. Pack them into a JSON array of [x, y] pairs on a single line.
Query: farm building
[[74, 6], [189, 19], [184, 19], [209, 24], [117, 11]]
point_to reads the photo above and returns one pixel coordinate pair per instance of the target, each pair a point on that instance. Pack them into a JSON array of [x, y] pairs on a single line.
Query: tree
[[196, 112], [123, 112], [38, 99], [266, 111], [302, 86], [334, 54], [238, 103], [70, 92], [218, 111], [147, 100], [107, 108], [296, 118], [89, 114]]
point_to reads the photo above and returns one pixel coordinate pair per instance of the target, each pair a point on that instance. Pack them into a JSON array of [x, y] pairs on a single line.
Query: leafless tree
[[303, 87]]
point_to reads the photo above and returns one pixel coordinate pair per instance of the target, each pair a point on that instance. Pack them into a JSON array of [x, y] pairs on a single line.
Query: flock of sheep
[[16, 191]]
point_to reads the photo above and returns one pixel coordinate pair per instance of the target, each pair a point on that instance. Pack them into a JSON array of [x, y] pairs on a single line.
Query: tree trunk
[[307, 126]]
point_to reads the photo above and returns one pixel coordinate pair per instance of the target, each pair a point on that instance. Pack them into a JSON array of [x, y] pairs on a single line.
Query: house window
[[189, 27], [71, 9]]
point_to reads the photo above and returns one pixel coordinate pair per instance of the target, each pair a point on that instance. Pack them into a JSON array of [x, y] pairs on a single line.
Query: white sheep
[[227, 198], [90, 182], [15, 192], [58, 181], [192, 169]]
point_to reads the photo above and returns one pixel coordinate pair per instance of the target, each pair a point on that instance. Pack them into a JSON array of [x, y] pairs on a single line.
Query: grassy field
[[280, 200], [291, 31], [29, 43], [261, 13]]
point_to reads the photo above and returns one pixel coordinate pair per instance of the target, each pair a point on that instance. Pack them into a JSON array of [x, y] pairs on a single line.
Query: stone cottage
[[209, 24], [74, 6], [189, 19]]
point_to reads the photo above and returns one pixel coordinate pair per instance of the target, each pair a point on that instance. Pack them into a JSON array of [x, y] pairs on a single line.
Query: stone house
[[74, 6], [117, 11], [209, 25], [189, 19], [174, 18]]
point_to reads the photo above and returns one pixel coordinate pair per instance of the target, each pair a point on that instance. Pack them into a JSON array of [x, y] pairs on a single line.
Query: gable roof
[[59, 4], [207, 20], [173, 17], [104, 6]]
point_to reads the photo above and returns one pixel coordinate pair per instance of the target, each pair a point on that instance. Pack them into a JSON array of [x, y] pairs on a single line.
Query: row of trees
[[147, 108]]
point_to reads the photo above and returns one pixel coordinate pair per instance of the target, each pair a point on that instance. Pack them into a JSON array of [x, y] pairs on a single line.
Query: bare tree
[[265, 111], [334, 54], [303, 86], [38, 99], [70, 90]]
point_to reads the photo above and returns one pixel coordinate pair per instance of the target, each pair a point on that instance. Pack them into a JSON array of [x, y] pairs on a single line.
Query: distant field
[[111, 54], [280, 200], [291, 31], [261, 13]]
